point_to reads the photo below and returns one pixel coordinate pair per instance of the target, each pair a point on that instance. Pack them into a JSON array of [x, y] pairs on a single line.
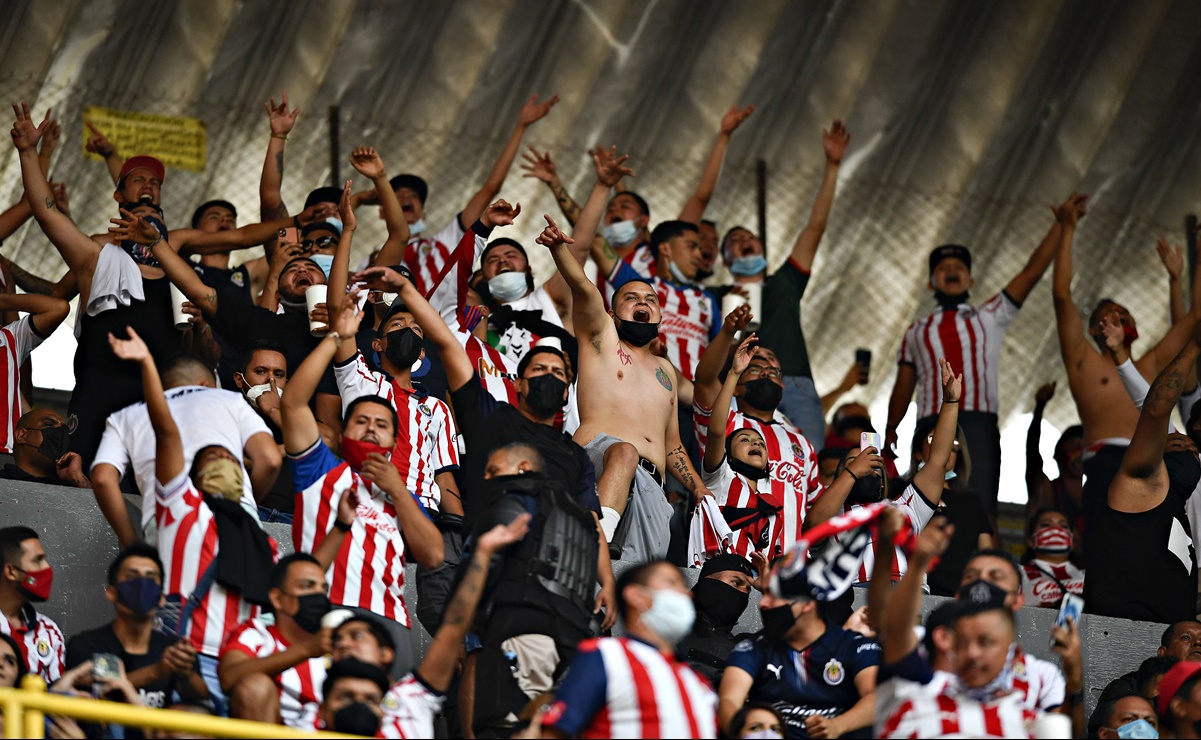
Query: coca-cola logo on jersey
[[791, 473]]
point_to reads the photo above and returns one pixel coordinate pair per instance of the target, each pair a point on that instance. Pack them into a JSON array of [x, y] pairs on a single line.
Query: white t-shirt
[[205, 416]]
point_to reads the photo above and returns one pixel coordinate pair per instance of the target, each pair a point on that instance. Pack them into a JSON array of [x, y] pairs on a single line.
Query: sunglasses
[[319, 243]]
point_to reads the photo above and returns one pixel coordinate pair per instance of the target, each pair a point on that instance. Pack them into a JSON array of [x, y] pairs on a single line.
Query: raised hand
[[534, 111], [538, 165], [935, 537], [1171, 257], [133, 228], [867, 462], [734, 118], [346, 207], [26, 135], [744, 353], [1072, 210], [133, 348], [383, 279], [610, 168], [835, 141], [368, 162], [737, 320], [1044, 393], [1114, 334], [952, 385], [891, 523], [61, 201], [50, 138], [499, 213], [316, 212], [281, 120], [346, 320], [503, 535], [552, 235], [98, 143]]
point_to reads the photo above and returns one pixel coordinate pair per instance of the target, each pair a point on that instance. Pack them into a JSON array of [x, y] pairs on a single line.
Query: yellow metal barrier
[[24, 711]]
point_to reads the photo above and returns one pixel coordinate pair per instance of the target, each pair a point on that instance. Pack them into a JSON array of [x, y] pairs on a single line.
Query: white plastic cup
[[1052, 726], [754, 299], [313, 295], [177, 313]]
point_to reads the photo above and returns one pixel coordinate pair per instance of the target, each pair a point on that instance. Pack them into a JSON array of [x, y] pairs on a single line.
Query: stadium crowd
[[433, 406]]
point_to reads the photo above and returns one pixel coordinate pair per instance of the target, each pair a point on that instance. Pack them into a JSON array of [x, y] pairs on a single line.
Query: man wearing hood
[[721, 595], [970, 337]]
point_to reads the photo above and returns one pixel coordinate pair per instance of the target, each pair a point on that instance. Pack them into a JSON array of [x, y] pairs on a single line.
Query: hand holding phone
[[871, 439]]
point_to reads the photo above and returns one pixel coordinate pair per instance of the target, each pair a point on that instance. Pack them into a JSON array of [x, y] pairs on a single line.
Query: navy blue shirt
[[817, 680]]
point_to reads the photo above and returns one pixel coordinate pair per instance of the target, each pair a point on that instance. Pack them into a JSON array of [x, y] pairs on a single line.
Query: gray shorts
[[644, 530]]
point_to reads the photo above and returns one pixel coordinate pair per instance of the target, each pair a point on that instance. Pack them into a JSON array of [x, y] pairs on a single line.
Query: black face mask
[[763, 394], [981, 592], [950, 301], [356, 719], [1183, 470], [404, 347], [309, 611], [719, 602], [55, 442], [867, 490], [777, 621], [748, 470], [546, 395], [636, 333]]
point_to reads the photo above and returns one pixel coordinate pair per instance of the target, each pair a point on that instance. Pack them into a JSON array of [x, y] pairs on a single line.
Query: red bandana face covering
[[355, 451], [36, 583], [1129, 335], [1053, 540]]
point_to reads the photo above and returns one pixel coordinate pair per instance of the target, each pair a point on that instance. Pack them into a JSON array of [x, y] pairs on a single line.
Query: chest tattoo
[[662, 378]]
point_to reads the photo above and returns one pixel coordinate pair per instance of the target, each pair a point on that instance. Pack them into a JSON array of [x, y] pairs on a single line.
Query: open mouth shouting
[[642, 316]]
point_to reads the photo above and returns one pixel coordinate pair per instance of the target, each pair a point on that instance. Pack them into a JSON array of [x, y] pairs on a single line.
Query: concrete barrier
[[81, 545]]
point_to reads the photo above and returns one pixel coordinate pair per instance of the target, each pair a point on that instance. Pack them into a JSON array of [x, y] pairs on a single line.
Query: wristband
[[296, 220], [852, 472], [154, 243], [337, 337], [1076, 698], [947, 400], [279, 136], [341, 525]]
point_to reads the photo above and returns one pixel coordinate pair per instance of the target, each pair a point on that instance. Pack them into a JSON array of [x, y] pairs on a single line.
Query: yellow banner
[[179, 142]]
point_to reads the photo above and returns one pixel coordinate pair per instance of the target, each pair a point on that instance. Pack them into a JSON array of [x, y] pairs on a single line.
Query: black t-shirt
[[83, 646], [965, 511], [1142, 566], [487, 424], [780, 325], [231, 282], [11, 472]]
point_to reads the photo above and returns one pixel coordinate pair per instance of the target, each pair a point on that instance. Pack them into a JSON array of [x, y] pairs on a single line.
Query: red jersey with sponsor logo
[[1045, 582], [689, 317]]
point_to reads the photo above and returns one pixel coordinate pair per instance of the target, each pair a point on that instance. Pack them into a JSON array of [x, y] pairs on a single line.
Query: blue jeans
[[803, 407], [268, 516], [208, 671]]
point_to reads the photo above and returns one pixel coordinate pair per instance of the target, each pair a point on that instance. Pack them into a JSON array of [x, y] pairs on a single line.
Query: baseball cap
[[950, 251], [1169, 686], [412, 182], [326, 194], [142, 161], [724, 562]]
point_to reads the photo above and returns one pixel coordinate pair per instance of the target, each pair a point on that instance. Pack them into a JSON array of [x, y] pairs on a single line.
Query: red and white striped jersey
[[773, 535], [368, 571], [619, 687], [907, 710], [793, 459], [917, 510], [1041, 587], [409, 709], [187, 544], [689, 317], [427, 254], [17, 340], [425, 437], [497, 370], [299, 686], [41, 642], [1039, 682], [970, 339], [640, 258]]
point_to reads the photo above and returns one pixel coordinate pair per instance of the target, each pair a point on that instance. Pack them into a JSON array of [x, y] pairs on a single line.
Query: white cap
[[552, 342]]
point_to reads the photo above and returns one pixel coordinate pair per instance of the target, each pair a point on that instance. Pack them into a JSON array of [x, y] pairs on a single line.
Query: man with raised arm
[[970, 337], [1106, 411], [1141, 561], [619, 374]]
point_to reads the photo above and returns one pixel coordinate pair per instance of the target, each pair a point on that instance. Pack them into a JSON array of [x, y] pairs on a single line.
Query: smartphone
[[871, 439], [1071, 606], [290, 235], [864, 357], [105, 667]]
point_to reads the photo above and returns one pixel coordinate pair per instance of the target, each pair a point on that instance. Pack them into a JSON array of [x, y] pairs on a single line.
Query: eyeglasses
[[770, 372], [954, 442], [321, 242]]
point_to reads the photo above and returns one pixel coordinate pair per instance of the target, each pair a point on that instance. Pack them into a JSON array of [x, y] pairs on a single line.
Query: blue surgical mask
[[620, 233], [749, 266], [677, 275], [139, 595], [1139, 728], [335, 223], [324, 261], [417, 227]]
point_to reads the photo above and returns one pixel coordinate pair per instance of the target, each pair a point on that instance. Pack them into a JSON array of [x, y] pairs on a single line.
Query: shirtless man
[[627, 395], [1106, 411]]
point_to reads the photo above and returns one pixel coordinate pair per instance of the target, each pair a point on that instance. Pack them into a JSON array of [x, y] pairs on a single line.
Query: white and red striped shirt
[[793, 459], [427, 254], [1041, 585], [368, 571], [497, 370], [914, 713], [41, 642], [772, 535], [689, 317], [409, 709], [640, 258], [970, 338], [917, 511], [1039, 682], [187, 544], [299, 686], [17, 340], [425, 436], [619, 687]]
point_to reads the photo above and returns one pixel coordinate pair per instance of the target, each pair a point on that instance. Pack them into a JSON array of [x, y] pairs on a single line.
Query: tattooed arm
[[185, 278], [1142, 482], [678, 463], [442, 657]]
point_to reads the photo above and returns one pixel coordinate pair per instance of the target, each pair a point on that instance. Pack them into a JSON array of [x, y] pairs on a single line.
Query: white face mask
[[417, 227], [508, 286], [671, 615], [764, 734], [620, 233], [254, 391]]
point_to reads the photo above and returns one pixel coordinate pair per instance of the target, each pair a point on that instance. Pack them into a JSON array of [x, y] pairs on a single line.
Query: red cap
[[1176, 677], [143, 161]]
